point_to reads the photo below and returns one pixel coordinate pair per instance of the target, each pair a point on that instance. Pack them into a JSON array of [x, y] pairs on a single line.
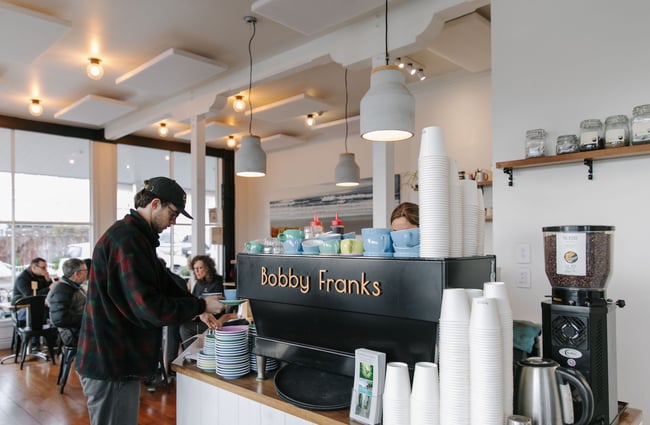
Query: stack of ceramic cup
[[433, 191], [486, 363], [396, 400], [455, 211], [425, 395], [498, 291], [453, 347], [470, 218], [406, 242]]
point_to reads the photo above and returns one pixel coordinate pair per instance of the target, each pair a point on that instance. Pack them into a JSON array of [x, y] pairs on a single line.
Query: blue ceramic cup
[[406, 238], [377, 241], [292, 246], [311, 246]]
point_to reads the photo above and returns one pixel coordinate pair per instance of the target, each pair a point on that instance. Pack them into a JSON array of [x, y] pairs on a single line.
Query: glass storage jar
[[535, 140], [617, 131], [591, 134], [640, 125], [567, 143]]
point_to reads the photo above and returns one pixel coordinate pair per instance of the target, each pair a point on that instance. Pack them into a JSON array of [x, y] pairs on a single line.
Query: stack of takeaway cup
[[455, 211], [425, 395], [433, 190], [396, 400], [499, 291], [453, 347], [480, 224], [470, 218], [486, 363]]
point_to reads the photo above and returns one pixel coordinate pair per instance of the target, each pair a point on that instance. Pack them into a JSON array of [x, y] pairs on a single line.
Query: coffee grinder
[[579, 322]]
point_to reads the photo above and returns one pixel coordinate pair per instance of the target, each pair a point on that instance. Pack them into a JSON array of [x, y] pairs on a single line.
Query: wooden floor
[[31, 397]]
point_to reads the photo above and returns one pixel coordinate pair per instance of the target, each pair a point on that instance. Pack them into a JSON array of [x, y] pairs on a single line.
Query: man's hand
[[210, 320], [213, 305]]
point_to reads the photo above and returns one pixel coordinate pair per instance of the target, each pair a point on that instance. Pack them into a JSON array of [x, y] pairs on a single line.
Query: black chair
[[67, 357], [35, 326]]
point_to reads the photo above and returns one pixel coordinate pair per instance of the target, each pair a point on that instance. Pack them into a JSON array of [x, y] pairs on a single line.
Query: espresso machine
[[579, 321]]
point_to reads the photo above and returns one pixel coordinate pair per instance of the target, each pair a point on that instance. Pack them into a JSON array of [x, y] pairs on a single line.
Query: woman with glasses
[[207, 281]]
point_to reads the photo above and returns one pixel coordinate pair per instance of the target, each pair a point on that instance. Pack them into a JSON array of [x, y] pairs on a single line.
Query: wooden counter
[[263, 392]]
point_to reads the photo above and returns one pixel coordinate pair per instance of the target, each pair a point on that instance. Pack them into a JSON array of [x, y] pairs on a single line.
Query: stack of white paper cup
[[397, 395], [480, 217], [453, 329], [486, 363], [455, 211], [433, 192], [425, 395], [499, 291], [470, 218]]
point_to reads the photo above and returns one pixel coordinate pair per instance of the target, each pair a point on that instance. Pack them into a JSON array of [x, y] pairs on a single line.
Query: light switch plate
[[523, 277], [522, 253]]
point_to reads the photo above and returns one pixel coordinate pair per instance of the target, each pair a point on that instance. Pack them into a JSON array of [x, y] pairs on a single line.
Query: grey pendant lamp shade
[[250, 158], [347, 170], [387, 108]]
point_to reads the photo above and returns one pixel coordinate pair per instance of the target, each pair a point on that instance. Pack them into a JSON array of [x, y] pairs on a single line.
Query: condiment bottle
[[337, 225], [591, 134], [617, 131], [316, 227]]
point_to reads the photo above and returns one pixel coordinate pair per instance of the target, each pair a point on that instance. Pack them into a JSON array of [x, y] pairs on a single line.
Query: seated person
[[67, 300], [208, 281], [36, 272], [405, 216]]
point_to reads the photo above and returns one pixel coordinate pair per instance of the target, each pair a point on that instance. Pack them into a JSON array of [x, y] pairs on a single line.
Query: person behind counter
[[130, 298], [405, 216], [207, 281]]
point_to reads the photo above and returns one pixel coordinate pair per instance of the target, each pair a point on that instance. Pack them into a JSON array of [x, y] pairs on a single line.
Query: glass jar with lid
[[640, 125], [591, 134], [567, 143], [617, 131], [535, 140]]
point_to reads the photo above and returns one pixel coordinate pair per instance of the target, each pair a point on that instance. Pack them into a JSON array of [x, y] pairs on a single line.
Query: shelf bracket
[[508, 171], [590, 165]]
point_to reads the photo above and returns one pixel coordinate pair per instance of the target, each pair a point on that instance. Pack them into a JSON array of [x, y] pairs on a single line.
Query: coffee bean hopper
[[579, 321]]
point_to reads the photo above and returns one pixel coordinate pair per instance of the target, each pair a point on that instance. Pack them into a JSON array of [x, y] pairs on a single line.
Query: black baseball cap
[[168, 191]]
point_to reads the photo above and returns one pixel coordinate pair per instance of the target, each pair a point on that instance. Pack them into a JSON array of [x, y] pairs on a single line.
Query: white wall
[[460, 104], [555, 63]]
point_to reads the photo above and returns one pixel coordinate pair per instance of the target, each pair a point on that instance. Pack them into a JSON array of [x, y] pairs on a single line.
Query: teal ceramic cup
[[291, 234], [230, 294], [254, 247], [329, 247], [351, 247], [376, 241]]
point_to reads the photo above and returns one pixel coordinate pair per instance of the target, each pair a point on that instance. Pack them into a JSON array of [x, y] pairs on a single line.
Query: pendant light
[[387, 108], [250, 159], [35, 107], [347, 170], [94, 69]]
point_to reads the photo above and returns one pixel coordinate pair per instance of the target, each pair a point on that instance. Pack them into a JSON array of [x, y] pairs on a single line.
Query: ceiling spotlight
[[238, 104], [411, 69], [310, 120], [231, 142], [400, 63], [163, 130], [94, 70], [421, 75], [35, 107]]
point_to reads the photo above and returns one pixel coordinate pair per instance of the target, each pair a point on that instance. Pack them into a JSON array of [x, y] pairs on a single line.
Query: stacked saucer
[[206, 359], [271, 363], [233, 358]]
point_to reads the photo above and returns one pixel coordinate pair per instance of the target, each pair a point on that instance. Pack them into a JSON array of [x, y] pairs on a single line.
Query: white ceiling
[[168, 60]]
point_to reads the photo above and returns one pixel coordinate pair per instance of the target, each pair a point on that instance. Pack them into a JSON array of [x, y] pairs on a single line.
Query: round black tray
[[313, 389]]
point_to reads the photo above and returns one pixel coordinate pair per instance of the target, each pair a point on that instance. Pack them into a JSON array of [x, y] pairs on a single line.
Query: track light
[[35, 107], [400, 63], [421, 75], [231, 142], [94, 70], [310, 120], [238, 104], [163, 130]]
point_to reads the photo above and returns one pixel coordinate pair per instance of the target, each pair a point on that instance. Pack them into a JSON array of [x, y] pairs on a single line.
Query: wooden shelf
[[586, 158]]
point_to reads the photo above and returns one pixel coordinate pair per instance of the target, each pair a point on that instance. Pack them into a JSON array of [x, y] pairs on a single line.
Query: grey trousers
[[112, 402]]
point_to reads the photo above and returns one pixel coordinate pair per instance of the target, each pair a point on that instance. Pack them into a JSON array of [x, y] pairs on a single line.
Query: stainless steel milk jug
[[538, 393]]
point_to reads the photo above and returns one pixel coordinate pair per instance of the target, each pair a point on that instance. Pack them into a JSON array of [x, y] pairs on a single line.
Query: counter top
[[264, 392]]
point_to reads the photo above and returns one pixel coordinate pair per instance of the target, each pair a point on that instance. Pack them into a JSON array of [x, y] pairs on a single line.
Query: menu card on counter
[[369, 371]]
